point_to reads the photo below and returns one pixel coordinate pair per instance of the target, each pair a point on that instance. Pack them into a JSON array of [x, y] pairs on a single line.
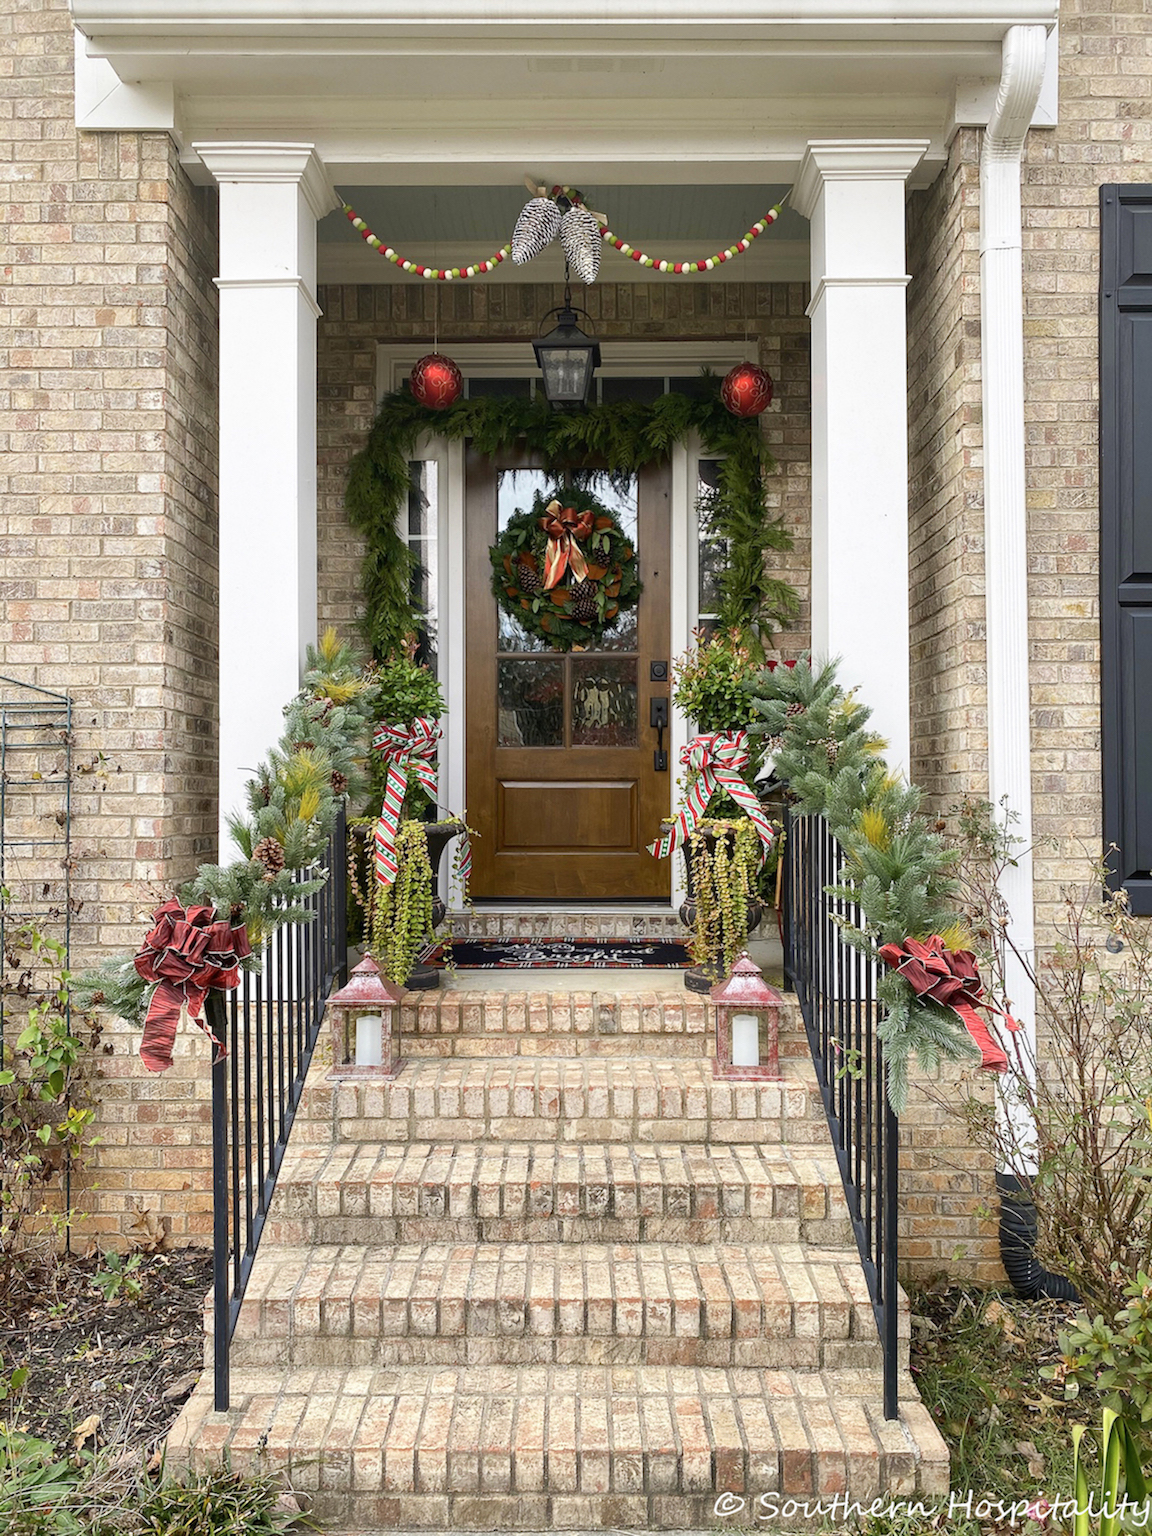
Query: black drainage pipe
[[1018, 1229]]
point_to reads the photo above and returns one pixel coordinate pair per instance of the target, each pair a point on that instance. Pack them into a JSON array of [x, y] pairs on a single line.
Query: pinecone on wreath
[[795, 708], [584, 601], [529, 578], [339, 782], [269, 853]]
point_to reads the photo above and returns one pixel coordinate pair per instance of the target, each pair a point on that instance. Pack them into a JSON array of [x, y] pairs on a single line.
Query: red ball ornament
[[746, 390], [436, 381]]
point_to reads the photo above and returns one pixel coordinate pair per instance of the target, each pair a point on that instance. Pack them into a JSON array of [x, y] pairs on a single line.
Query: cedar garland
[[625, 436]]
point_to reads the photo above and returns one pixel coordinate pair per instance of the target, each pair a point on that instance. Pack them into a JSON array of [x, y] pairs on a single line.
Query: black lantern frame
[[567, 358]]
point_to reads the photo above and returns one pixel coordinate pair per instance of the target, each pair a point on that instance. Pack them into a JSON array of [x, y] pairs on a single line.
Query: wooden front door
[[563, 786]]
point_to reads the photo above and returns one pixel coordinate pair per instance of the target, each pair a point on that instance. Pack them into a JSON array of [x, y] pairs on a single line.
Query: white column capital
[[853, 160], [268, 164]]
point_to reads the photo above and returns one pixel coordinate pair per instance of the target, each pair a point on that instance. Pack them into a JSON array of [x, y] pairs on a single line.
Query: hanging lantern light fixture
[[567, 357]]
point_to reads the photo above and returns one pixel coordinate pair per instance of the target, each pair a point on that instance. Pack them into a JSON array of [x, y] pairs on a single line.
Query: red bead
[[746, 390], [637, 255], [436, 381]]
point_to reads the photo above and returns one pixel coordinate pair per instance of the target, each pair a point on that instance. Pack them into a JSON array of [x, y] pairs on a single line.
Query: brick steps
[[564, 1447], [575, 1304], [549, 1192], [664, 1022], [638, 1100]]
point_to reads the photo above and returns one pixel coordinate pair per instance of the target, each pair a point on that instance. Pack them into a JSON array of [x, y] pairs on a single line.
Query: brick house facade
[[109, 423]]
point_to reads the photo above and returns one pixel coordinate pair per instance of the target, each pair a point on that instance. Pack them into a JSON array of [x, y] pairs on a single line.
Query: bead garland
[[681, 268], [442, 274]]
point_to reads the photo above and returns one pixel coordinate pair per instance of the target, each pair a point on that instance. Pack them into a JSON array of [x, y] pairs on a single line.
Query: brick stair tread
[[678, 1299], [642, 1099], [526, 1179], [588, 1011], [543, 1447]]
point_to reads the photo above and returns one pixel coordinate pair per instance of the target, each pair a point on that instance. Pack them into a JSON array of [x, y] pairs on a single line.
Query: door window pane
[[603, 701], [530, 701], [712, 552], [419, 533]]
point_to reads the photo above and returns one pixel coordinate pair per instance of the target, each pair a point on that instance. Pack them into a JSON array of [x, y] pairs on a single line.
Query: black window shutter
[[1126, 534]]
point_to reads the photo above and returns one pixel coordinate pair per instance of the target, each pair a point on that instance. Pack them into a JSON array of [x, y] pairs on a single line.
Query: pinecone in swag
[[529, 578], [270, 853]]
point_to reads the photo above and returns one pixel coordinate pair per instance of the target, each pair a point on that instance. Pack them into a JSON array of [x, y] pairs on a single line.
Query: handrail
[[835, 986], [270, 1024]]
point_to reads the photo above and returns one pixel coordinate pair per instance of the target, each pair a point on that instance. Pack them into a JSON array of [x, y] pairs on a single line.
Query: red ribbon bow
[[186, 953], [565, 527], [950, 977]]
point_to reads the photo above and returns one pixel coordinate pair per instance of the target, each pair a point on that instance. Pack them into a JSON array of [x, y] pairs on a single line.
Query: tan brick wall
[[107, 414], [357, 318]]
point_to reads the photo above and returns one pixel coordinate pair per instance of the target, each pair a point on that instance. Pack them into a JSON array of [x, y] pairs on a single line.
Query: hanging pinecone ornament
[[580, 235], [583, 601], [271, 854], [536, 228]]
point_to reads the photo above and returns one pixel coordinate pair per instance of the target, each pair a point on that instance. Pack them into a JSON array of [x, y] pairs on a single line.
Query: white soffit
[[462, 90]]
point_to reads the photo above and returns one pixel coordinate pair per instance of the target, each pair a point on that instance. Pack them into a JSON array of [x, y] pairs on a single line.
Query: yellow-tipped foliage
[[875, 828], [955, 936], [329, 644]]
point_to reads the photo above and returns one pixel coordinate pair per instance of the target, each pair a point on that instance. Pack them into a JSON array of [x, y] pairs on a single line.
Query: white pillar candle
[[745, 1040], [369, 1039]]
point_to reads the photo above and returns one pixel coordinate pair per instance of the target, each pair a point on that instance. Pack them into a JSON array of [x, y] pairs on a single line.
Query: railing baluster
[[271, 1024], [835, 986]]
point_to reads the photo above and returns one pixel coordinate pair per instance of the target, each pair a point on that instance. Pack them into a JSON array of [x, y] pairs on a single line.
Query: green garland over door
[[623, 436]]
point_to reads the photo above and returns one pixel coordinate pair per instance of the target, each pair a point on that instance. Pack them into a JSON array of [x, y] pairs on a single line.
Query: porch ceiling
[[478, 91], [436, 224]]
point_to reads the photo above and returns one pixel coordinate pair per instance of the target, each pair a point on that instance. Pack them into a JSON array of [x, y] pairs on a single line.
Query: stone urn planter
[[696, 978], [422, 978]]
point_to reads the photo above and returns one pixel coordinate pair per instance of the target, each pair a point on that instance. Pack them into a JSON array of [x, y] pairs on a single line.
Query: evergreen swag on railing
[[896, 866], [292, 806], [624, 436]]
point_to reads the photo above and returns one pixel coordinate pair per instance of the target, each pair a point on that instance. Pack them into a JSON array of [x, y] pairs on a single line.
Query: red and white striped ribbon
[[715, 762], [407, 749]]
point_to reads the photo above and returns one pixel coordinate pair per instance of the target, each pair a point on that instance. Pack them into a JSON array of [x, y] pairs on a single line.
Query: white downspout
[[1005, 504]]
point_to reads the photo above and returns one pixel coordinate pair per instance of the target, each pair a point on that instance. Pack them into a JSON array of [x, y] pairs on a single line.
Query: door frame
[[507, 360]]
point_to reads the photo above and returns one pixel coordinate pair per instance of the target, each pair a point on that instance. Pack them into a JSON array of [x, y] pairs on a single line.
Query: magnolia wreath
[[565, 571]]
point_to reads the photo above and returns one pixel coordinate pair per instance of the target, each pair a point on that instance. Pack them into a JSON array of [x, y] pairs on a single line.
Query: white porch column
[[852, 190], [271, 196]]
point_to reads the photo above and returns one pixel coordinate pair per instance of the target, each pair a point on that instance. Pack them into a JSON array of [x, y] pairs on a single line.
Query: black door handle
[[658, 718]]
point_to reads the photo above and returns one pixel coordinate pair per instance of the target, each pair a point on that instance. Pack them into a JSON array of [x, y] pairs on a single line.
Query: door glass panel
[[603, 701], [712, 551], [516, 490], [530, 701]]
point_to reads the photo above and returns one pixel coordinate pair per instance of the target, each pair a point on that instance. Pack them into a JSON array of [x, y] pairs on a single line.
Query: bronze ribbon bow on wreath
[[407, 749], [950, 977], [566, 529], [186, 953], [715, 762]]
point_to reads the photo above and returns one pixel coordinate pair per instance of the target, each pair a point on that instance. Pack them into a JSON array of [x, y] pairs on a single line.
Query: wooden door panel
[[562, 787]]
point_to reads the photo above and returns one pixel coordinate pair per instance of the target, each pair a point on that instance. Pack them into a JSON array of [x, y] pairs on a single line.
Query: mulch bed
[[131, 1361]]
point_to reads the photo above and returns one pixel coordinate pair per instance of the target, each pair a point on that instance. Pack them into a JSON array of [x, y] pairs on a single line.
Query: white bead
[[709, 264], [663, 266]]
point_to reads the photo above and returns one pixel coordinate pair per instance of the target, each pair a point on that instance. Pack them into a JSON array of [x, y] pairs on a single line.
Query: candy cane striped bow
[[407, 749], [714, 762]]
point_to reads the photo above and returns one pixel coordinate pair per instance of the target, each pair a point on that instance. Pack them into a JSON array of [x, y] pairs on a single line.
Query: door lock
[[658, 718]]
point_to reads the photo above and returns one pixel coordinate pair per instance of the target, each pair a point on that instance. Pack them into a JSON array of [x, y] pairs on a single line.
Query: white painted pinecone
[[536, 228], [581, 236]]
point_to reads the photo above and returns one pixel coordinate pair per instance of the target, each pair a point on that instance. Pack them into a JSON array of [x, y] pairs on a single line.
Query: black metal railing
[[836, 987], [270, 1025]]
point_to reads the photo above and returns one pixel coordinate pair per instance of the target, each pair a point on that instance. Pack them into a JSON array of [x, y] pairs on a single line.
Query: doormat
[[567, 954]]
